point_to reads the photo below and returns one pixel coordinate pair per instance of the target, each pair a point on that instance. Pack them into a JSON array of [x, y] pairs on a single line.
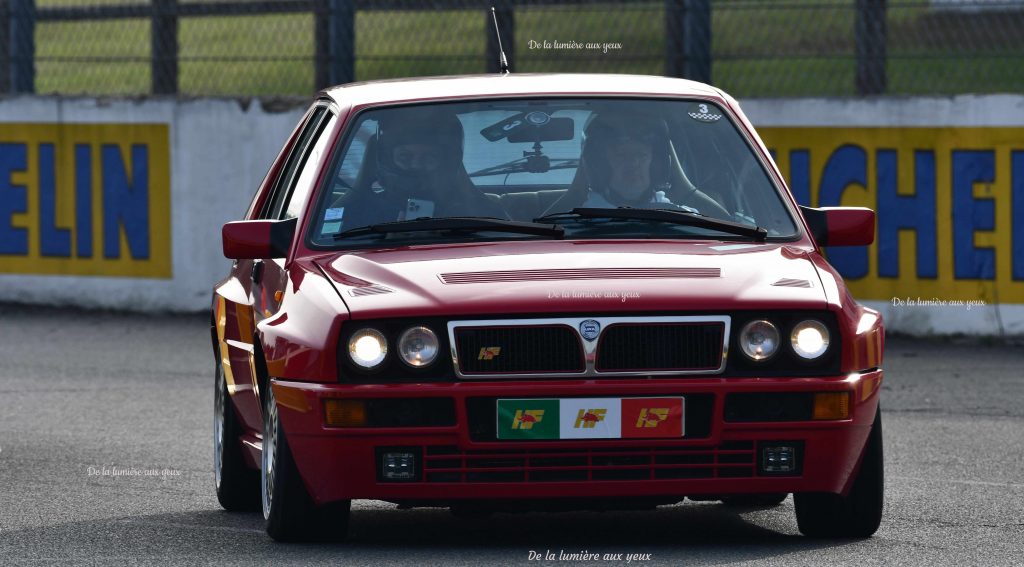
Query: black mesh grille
[[582, 464], [672, 346], [508, 350]]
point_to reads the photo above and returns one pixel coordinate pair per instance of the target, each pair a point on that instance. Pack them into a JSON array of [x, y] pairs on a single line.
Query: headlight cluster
[[417, 347], [760, 340]]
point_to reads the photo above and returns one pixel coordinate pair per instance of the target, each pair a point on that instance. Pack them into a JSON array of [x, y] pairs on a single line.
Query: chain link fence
[[751, 48]]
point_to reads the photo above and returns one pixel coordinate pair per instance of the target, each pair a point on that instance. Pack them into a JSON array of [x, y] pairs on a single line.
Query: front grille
[[448, 464], [667, 346], [481, 416], [515, 350]]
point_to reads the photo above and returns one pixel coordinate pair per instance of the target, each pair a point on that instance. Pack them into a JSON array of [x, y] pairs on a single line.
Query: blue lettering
[[970, 214], [847, 165], [83, 200], [125, 203], [897, 212], [13, 199], [800, 176], [1017, 204], [53, 241]]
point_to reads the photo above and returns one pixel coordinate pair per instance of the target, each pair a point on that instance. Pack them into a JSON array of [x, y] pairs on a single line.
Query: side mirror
[[257, 239], [841, 226]]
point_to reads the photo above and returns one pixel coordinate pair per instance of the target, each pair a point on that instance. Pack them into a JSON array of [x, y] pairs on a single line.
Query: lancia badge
[[590, 329]]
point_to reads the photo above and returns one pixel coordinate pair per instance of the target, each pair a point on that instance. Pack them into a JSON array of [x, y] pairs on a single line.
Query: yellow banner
[[950, 204], [85, 200]]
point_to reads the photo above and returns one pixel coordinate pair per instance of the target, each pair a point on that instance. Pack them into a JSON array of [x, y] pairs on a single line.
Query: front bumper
[[342, 463]]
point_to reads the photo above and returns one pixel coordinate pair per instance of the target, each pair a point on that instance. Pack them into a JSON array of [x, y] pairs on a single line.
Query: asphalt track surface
[[80, 391]]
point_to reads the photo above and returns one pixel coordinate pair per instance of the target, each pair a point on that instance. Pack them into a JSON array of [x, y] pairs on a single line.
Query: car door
[[269, 276], [257, 280]]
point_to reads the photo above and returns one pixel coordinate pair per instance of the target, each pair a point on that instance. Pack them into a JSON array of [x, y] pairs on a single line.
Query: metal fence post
[[870, 34], [335, 38], [22, 50], [688, 39], [164, 45], [342, 42], [5, 45], [506, 27]]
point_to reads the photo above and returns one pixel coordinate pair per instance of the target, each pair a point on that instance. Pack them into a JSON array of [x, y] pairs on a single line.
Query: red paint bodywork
[[293, 318], [850, 226], [247, 239]]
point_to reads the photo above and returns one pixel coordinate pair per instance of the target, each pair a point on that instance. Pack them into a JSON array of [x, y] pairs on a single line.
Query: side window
[[274, 206], [307, 178]]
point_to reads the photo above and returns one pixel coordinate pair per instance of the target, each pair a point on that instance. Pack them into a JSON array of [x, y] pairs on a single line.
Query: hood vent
[[790, 282], [577, 274], [373, 289]]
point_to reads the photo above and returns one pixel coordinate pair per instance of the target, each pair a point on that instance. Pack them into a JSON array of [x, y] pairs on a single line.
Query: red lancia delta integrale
[[536, 291]]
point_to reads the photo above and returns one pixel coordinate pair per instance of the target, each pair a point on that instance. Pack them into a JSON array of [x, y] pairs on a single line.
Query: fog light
[[345, 413], [832, 405], [779, 459], [398, 466]]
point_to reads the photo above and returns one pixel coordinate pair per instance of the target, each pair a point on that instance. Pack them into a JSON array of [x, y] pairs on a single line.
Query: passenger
[[419, 173]]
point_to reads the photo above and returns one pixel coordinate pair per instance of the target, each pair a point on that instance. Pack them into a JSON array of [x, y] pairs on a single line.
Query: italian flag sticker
[[590, 418]]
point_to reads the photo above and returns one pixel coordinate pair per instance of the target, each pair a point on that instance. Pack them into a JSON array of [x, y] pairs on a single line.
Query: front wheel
[[860, 512], [237, 485], [287, 508]]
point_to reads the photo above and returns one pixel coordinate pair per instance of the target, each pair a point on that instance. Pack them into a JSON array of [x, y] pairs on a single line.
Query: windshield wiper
[[662, 215], [456, 224]]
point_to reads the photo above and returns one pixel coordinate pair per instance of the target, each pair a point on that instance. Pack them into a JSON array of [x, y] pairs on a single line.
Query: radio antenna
[[502, 61]]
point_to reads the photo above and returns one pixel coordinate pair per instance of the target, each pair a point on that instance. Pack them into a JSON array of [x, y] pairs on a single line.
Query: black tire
[[288, 509], [755, 500], [238, 486], [859, 513]]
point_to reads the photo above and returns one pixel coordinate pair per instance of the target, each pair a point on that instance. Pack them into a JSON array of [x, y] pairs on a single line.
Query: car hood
[[548, 277]]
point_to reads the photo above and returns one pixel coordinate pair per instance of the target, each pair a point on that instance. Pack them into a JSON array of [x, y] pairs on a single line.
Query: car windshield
[[521, 160]]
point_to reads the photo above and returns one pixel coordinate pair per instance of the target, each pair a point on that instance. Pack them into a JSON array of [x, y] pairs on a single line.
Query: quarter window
[[285, 181], [307, 178]]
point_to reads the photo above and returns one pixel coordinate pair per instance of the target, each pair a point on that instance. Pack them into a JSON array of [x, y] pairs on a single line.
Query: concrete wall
[[217, 152]]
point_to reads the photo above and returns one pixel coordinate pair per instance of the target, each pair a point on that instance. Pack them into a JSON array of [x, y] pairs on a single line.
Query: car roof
[[513, 84]]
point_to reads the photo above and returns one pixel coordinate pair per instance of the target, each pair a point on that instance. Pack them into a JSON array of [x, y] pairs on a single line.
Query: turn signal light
[[345, 413], [832, 405]]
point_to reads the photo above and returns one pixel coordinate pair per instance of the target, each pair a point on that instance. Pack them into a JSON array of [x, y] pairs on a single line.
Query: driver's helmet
[[606, 129], [417, 147]]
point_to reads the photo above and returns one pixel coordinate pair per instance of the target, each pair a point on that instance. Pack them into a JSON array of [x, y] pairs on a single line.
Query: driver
[[419, 172]]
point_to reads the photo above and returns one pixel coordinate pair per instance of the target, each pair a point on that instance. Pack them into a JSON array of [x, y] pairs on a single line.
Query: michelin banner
[[118, 203], [85, 200], [950, 206]]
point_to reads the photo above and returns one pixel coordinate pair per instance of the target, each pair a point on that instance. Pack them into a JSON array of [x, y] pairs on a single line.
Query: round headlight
[[417, 346], [759, 340], [809, 339], [368, 348]]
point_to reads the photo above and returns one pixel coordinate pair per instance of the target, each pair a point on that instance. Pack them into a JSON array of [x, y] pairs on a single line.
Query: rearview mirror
[[841, 226], [257, 239], [554, 130]]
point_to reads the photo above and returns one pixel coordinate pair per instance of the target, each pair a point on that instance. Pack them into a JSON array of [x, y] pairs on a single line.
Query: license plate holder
[[657, 417]]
